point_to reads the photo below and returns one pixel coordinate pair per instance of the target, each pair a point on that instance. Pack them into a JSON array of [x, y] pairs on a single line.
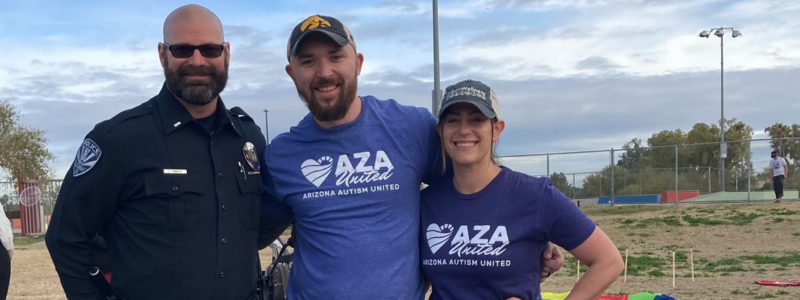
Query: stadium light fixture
[[723, 149]]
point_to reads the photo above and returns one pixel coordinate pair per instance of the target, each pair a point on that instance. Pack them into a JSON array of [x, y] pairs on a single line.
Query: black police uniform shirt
[[177, 204]]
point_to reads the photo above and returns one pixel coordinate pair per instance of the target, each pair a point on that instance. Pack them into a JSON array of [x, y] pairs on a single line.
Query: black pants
[[777, 186], [5, 272]]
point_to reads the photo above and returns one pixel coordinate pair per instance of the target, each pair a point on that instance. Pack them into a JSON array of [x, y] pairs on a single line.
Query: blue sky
[[571, 75]]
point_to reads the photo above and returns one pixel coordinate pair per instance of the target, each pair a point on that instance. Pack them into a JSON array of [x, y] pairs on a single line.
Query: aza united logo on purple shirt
[[471, 242], [357, 173]]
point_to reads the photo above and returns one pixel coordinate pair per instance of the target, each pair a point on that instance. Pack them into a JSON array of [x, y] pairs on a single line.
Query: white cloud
[[559, 5], [447, 9], [88, 88], [642, 41], [67, 61], [756, 9], [391, 8]]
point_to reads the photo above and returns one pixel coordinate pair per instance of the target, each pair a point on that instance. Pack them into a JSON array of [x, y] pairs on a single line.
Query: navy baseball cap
[[473, 92], [330, 26]]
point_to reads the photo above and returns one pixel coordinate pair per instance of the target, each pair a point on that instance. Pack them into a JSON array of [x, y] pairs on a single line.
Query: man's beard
[[345, 97], [198, 92]]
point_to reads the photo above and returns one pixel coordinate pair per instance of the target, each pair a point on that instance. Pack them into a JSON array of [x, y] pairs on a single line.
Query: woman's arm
[[605, 264]]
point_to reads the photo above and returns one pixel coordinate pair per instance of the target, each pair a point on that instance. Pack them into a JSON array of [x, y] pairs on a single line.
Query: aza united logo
[[475, 240], [361, 167]]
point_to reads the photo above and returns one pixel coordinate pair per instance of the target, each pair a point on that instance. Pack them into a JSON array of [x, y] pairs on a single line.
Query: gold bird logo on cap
[[313, 22]]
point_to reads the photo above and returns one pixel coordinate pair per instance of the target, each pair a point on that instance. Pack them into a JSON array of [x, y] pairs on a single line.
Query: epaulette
[[125, 115], [239, 112]]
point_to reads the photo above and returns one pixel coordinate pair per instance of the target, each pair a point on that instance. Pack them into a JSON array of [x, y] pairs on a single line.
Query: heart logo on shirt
[[438, 235], [316, 171]]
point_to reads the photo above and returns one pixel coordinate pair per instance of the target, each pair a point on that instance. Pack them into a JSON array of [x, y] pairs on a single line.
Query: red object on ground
[[669, 196], [778, 283], [613, 297]]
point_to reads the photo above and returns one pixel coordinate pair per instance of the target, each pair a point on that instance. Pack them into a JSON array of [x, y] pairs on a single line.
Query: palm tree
[[779, 133]]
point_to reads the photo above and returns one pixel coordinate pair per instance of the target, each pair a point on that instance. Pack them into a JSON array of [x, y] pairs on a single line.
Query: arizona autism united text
[[351, 191], [466, 262]]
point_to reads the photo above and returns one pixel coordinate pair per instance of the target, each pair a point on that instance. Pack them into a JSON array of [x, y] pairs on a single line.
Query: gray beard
[[196, 93]]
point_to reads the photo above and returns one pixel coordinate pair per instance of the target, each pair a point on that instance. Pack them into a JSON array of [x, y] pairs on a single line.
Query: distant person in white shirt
[[779, 171], [7, 239]]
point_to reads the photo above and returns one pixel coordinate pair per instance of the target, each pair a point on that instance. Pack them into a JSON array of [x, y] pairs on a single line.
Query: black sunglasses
[[186, 50]]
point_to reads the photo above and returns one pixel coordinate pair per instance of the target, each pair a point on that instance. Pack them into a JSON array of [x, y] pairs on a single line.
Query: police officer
[[173, 184]]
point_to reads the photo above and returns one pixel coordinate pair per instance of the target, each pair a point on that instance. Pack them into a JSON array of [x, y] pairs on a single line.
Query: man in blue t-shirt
[[349, 176]]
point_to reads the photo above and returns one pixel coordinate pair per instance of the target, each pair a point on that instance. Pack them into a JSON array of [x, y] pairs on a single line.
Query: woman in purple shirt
[[485, 227]]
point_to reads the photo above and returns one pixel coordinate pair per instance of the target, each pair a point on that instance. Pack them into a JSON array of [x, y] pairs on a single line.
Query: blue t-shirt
[[354, 191], [489, 245]]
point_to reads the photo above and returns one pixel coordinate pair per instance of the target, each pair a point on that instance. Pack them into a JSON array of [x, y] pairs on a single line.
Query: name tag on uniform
[[174, 171]]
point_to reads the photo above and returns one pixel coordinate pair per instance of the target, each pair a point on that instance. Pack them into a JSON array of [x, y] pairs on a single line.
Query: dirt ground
[[769, 230], [33, 276], [775, 232]]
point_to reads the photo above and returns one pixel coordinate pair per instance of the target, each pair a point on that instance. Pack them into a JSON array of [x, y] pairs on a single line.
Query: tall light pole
[[266, 125], [437, 92], [723, 147]]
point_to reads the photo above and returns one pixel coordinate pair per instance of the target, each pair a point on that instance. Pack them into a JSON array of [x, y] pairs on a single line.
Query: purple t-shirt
[[489, 245]]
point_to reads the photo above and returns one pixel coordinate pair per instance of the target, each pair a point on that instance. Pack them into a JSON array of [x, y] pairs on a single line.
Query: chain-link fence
[[688, 173]]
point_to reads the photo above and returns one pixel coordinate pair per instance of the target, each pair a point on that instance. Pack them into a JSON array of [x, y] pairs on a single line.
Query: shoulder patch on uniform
[[87, 156]]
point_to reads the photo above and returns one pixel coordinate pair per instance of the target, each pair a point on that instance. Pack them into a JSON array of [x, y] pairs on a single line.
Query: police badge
[[251, 158]]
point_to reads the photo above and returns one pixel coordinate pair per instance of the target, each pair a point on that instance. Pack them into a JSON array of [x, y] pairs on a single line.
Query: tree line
[[23, 149], [648, 167]]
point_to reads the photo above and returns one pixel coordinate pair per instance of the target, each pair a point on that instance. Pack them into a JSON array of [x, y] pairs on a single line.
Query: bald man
[[172, 185]]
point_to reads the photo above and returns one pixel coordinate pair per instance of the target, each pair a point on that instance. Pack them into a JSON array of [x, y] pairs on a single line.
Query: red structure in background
[[669, 196], [30, 208]]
